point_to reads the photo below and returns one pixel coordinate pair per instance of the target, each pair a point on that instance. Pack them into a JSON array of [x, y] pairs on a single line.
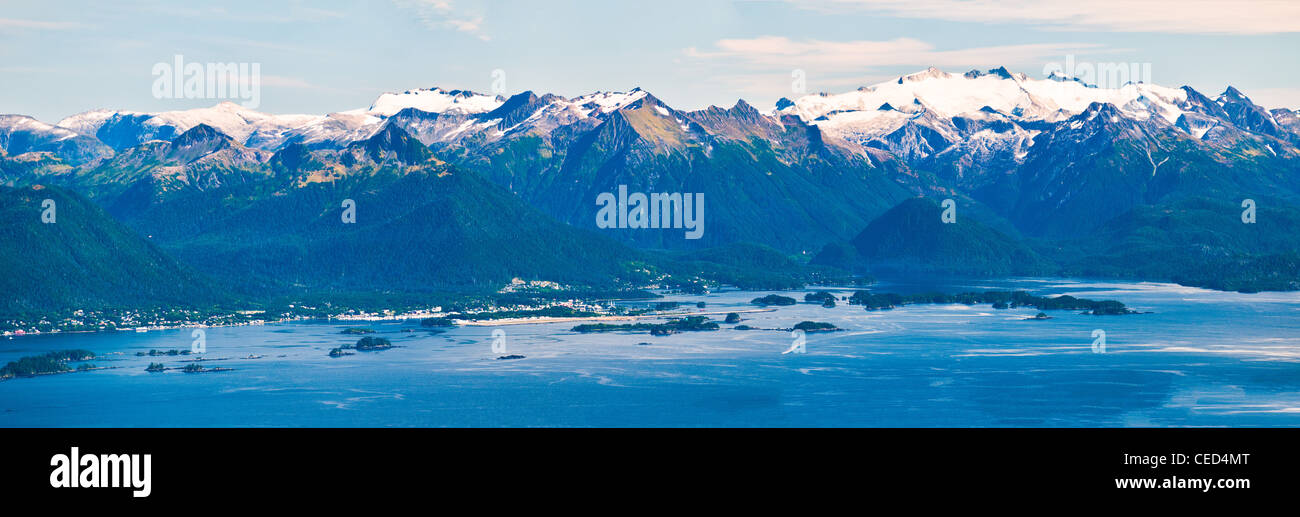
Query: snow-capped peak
[[929, 73], [606, 102], [1232, 94], [435, 100], [228, 117], [87, 123], [949, 95], [10, 124]]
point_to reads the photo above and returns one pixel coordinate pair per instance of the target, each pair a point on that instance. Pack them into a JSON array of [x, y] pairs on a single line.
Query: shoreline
[[525, 321], [394, 318], [415, 315]]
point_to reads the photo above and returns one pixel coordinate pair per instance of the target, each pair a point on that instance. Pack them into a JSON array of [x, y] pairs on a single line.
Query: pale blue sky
[[59, 58]]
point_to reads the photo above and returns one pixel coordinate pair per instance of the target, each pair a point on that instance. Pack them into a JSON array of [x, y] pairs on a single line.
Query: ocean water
[[1200, 358]]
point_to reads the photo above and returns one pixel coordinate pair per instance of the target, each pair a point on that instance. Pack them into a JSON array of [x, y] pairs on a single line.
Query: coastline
[[526, 321], [900, 284], [398, 317]]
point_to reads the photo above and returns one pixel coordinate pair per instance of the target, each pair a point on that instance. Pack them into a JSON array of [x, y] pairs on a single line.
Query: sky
[[60, 58]]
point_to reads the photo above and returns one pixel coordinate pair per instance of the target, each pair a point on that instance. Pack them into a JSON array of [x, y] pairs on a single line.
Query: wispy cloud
[[298, 84], [779, 52], [1275, 97], [11, 23], [443, 14], [293, 13], [265, 45], [762, 66], [1169, 16]]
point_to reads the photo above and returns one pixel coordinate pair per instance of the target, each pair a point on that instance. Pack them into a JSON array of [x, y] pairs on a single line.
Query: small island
[[370, 344], [510, 357], [732, 318], [672, 326], [997, 299], [358, 330], [437, 322], [156, 353], [1110, 308], [816, 326], [365, 344], [806, 326], [822, 298], [773, 299], [195, 368], [47, 363]]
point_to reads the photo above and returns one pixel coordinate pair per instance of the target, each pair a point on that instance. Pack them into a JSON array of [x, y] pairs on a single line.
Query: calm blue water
[[1203, 358]]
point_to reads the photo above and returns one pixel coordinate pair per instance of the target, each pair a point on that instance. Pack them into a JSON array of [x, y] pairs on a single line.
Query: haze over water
[[1201, 358]]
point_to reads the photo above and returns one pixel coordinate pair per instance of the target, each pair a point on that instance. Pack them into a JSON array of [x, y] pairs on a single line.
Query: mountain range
[[456, 188], [85, 259]]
